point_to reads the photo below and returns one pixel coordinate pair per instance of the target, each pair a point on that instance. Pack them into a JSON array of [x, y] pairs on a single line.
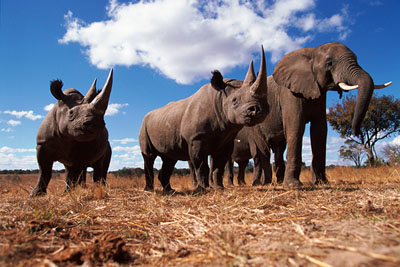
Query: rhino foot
[[168, 191], [199, 191], [36, 192], [322, 181], [149, 188], [230, 182], [256, 182], [241, 182]]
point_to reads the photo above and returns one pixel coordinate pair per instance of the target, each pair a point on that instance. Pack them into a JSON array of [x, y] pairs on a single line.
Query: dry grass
[[353, 222]]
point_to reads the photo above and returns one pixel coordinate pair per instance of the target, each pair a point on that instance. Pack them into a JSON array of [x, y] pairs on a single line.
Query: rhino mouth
[[253, 115]]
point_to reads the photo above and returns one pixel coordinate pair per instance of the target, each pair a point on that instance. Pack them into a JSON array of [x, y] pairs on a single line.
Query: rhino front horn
[[100, 102], [259, 87]]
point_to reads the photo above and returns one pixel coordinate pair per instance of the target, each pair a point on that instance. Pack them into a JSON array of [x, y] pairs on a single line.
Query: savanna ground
[[355, 221]]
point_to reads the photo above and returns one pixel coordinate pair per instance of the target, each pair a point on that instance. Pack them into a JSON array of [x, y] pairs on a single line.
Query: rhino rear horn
[[100, 102], [91, 94], [259, 87], [55, 89], [250, 76]]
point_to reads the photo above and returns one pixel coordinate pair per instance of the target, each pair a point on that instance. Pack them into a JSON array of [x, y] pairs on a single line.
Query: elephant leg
[[229, 168], [294, 125], [318, 133], [242, 169], [148, 171], [164, 175], [279, 162], [45, 169]]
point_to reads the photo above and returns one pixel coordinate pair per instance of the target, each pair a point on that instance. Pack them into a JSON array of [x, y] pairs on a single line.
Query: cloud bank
[[186, 39]]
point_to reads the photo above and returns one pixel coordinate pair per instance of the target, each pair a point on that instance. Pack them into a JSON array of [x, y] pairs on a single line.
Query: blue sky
[[163, 51]]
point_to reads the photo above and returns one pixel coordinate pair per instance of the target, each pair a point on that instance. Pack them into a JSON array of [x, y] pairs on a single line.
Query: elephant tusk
[[347, 87], [381, 86]]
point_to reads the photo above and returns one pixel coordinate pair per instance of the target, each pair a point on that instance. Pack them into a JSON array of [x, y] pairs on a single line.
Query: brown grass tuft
[[351, 222]]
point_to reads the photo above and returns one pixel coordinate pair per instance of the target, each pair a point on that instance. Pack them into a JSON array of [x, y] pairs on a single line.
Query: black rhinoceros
[[203, 124], [74, 133]]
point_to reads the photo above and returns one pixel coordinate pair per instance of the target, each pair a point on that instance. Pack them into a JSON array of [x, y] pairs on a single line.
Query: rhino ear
[[217, 81], [55, 89], [295, 72]]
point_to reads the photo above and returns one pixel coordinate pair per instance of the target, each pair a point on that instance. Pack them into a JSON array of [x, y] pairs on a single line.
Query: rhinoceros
[[203, 124], [74, 133], [254, 142]]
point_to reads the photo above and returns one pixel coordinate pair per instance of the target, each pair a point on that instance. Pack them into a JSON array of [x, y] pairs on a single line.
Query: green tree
[[381, 121], [352, 151]]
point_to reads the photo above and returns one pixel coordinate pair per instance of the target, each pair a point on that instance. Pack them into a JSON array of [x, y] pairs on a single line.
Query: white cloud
[[186, 39], [7, 130], [27, 114], [114, 108], [13, 123], [6, 149], [129, 149], [124, 141], [48, 107]]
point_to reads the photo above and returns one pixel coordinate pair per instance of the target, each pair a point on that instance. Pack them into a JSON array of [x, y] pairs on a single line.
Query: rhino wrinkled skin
[[203, 124], [74, 133]]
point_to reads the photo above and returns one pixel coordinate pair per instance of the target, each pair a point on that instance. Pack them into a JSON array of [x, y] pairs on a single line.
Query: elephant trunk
[[365, 91]]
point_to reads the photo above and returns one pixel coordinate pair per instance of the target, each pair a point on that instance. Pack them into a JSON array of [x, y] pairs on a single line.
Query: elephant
[[74, 133], [302, 79], [203, 124]]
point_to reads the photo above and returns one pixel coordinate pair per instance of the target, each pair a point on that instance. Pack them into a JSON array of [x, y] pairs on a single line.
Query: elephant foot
[[149, 188], [36, 192], [199, 191], [292, 183], [256, 183]]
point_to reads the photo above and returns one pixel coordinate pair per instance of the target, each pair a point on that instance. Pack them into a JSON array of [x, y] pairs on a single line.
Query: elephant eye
[[328, 61]]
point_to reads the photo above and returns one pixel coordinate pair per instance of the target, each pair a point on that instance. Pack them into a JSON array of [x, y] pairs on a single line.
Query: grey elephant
[[302, 79], [74, 133], [203, 124]]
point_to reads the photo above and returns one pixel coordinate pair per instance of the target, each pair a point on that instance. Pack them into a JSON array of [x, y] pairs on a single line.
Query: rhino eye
[[234, 100], [71, 115]]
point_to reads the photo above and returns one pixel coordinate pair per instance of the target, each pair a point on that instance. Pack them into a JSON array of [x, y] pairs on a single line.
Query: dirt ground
[[355, 221]]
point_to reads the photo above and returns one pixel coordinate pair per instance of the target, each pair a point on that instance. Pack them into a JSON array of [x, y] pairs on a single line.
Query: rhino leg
[[242, 168], [101, 167], [82, 178], [72, 176], [229, 169], [45, 168], [148, 171], [199, 158], [257, 172], [192, 173], [279, 162], [165, 174]]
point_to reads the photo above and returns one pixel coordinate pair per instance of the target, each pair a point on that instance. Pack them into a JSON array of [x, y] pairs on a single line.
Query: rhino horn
[[258, 88], [100, 102], [250, 76], [91, 93]]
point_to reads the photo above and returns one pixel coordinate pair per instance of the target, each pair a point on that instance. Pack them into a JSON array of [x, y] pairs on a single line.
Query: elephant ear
[[295, 72]]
